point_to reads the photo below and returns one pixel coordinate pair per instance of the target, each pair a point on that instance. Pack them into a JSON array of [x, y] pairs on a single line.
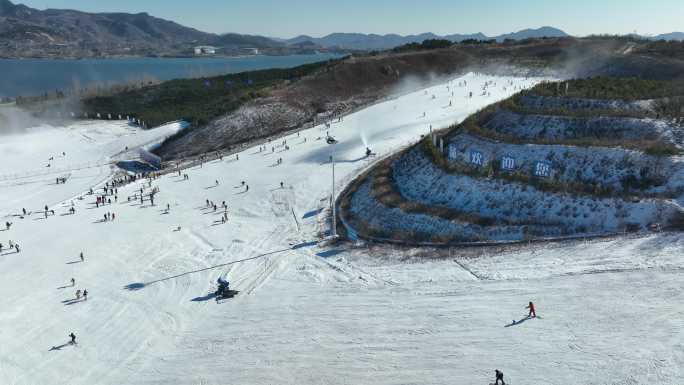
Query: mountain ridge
[[372, 41], [28, 32], [65, 33]]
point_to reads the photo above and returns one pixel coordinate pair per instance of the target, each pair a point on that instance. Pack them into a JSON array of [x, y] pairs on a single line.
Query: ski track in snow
[[611, 310]]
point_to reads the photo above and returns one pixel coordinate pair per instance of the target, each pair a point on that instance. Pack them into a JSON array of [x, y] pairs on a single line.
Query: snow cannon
[[223, 290]]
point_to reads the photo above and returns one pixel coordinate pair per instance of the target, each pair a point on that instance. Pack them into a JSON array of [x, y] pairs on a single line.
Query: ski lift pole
[[333, 231]]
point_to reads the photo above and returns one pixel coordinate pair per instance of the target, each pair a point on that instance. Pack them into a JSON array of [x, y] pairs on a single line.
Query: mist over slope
[[14, 120]]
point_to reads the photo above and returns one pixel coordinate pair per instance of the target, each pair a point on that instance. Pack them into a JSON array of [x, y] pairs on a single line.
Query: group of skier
[[110, 189], [12, 245], [103, 200], [214, 207], [83, 294], [78, 295]]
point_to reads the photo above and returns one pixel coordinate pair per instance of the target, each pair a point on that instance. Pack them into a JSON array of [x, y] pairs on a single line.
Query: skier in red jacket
[[532, 313]]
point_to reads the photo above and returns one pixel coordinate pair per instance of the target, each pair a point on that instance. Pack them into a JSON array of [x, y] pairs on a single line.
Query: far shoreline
[[36, 76], [115, 57]]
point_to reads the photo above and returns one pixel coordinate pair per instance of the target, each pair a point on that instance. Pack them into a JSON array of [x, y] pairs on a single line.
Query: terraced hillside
[[577, 158]]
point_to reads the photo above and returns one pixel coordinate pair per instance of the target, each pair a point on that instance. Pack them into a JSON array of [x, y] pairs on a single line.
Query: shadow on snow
[[141, 285]]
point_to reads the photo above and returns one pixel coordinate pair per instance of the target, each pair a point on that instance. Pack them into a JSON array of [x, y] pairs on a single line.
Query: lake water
[[35, 76]]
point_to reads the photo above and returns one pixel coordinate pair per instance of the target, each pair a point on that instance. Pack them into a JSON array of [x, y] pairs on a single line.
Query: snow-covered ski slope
[[611, 311], [81, 152]]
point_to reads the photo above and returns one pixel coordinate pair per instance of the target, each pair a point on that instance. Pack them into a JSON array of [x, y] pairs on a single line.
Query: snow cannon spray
[[365, 144], [364, 139]]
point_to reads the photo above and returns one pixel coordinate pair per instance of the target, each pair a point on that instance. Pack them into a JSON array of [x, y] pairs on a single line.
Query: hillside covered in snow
[[306, 311], [540, 165]]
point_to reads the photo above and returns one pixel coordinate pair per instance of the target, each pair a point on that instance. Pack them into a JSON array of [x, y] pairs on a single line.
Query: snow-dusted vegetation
[[384, 222], [615, 170], [535, 171], [556, 102], [556, 128], [418, 179]]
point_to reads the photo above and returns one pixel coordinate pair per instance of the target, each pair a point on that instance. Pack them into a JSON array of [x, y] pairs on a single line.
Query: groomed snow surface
[[611, 311], [83, 153]]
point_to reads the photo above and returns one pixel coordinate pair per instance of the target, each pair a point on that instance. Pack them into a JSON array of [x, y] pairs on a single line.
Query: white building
[[205, 50]]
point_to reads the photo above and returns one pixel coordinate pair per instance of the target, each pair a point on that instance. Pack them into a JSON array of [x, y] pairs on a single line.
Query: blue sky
[[278, 18]]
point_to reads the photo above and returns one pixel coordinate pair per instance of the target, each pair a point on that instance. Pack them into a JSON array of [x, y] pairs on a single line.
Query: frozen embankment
[[505, 176]]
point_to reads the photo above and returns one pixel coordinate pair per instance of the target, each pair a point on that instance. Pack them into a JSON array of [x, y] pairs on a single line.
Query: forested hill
[[28, 32]]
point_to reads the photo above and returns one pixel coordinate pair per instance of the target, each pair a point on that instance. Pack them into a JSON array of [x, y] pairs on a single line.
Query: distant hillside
[[361, 41], [28, 32], [456, 37], [533, 33], [670, 36]]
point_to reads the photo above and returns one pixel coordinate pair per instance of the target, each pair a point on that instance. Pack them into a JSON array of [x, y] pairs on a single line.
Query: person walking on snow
[[85, 294], [73, 338], [532, 313], [499, 377], [81, 256], [73, 282]]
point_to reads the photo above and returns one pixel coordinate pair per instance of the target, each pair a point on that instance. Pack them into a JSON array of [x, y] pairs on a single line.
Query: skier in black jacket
[[499, 377]]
